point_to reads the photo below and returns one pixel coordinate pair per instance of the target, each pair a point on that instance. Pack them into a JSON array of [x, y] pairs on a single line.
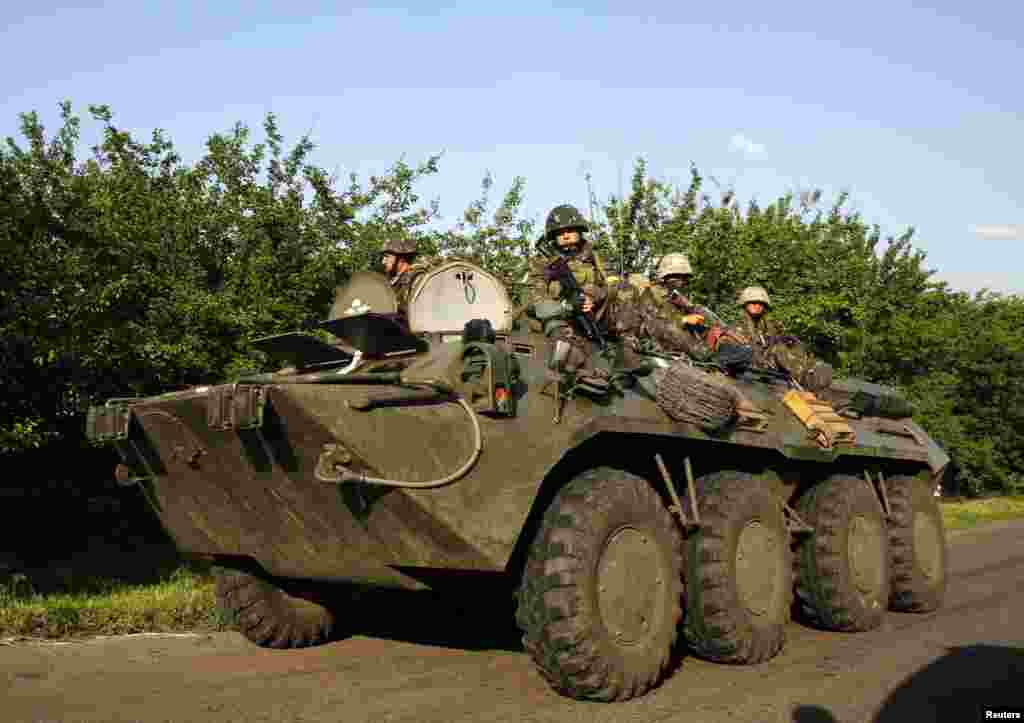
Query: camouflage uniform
[[545, 297], [646, 320], [404, 282], [663, 323], [773, 350]]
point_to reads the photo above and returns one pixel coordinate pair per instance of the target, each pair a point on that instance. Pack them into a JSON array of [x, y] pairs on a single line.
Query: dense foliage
[[132, 272]]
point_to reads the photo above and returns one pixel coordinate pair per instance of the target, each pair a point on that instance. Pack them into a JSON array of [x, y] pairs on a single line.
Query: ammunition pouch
[[548, 310], [551, 315]]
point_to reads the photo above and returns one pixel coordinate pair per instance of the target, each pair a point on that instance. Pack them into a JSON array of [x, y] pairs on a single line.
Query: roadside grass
[[965, 514], [109, 588], [182, 601], [154, 590]]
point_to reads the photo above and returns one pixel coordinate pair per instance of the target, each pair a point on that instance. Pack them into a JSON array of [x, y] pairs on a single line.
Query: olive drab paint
[[429, 454]]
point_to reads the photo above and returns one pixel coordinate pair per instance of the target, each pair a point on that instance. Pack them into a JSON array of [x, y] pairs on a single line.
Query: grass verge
[[966, 514], [184, 601], [75, 600]]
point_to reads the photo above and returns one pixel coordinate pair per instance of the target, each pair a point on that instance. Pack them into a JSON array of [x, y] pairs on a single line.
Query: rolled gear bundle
[[689, 394]]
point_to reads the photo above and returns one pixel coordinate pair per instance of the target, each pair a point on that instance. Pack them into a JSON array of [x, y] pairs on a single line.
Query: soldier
[[399, 258], [774, 350], [670, 319], [563, 236], [659, 318]]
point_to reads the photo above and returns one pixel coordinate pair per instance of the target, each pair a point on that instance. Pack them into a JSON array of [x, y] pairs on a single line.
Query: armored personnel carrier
[[633, 525]]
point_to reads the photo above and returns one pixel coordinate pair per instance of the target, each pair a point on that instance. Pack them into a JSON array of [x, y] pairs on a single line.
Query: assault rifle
[[683, 302], [558, 270], [787, 339]]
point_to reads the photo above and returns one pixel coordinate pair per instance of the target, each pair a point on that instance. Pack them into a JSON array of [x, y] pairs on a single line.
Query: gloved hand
[[786, 339]]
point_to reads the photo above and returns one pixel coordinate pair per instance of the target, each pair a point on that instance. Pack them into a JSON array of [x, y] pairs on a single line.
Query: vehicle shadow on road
[[953, 688], [957, 685], [477, 617]]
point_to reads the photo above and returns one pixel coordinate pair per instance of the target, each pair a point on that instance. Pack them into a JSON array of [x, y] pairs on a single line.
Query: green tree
[[132, 272]]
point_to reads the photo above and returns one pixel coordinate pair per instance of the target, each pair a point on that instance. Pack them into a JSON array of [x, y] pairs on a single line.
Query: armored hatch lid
[[365, 317], [299, 349], [375, 335], [448, 296], [365, 291]]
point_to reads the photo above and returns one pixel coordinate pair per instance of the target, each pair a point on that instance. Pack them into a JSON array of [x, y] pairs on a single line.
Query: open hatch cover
[[375, 335], [300, 350]]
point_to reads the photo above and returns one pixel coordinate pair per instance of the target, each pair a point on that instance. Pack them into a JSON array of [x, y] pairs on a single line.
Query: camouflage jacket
[[791, 355], [663, 322], [757, 331], [642, 316], [405, 282], [586, 266]]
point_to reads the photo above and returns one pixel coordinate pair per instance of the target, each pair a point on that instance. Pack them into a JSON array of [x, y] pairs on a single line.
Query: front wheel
[[268, 615], [600, 599]]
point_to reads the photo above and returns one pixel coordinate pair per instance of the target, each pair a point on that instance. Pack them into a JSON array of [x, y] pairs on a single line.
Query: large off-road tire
[[917, 545], [843, 578], [268, 615], [739, 571], [600, 598]]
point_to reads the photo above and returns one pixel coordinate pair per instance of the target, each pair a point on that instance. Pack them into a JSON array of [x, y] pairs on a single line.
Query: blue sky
[[915, 109]]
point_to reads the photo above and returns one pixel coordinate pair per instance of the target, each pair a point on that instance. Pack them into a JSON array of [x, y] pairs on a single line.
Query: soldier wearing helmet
[[775, 350], [671, 320], [563, 236], [399, 259]]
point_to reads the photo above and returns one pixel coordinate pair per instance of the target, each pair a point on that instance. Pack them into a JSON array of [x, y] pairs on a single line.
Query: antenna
[[622, 245], [590, 199]]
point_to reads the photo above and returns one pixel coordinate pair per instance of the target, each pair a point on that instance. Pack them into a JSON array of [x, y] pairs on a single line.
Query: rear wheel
[[600, 599], [739, 587], [917, 542], [268, 615], [843, 579]]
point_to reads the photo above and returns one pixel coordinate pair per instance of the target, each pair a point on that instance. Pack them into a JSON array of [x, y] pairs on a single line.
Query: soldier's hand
[[693, 319], [588, 304]]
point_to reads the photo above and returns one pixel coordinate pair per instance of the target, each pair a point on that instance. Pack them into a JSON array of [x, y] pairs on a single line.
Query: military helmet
[[399, 246], [673, 264], [564, 217], [754, 294]]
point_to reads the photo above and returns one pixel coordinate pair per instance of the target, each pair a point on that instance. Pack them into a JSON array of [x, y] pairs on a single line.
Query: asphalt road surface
[[935, 667]]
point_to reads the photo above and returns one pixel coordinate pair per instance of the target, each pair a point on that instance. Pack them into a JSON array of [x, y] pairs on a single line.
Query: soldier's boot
[[597, 375], [596, 370]]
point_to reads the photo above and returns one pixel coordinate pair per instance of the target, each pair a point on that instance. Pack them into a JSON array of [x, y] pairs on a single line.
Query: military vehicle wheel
[[268, 615], [917, 543], [739, 572], [600, 599], [843, 579]]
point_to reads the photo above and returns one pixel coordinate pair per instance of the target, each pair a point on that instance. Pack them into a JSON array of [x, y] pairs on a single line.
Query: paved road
[[934, 667]]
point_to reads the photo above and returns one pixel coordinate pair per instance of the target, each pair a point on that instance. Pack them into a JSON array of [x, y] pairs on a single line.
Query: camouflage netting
[[689, 394]]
